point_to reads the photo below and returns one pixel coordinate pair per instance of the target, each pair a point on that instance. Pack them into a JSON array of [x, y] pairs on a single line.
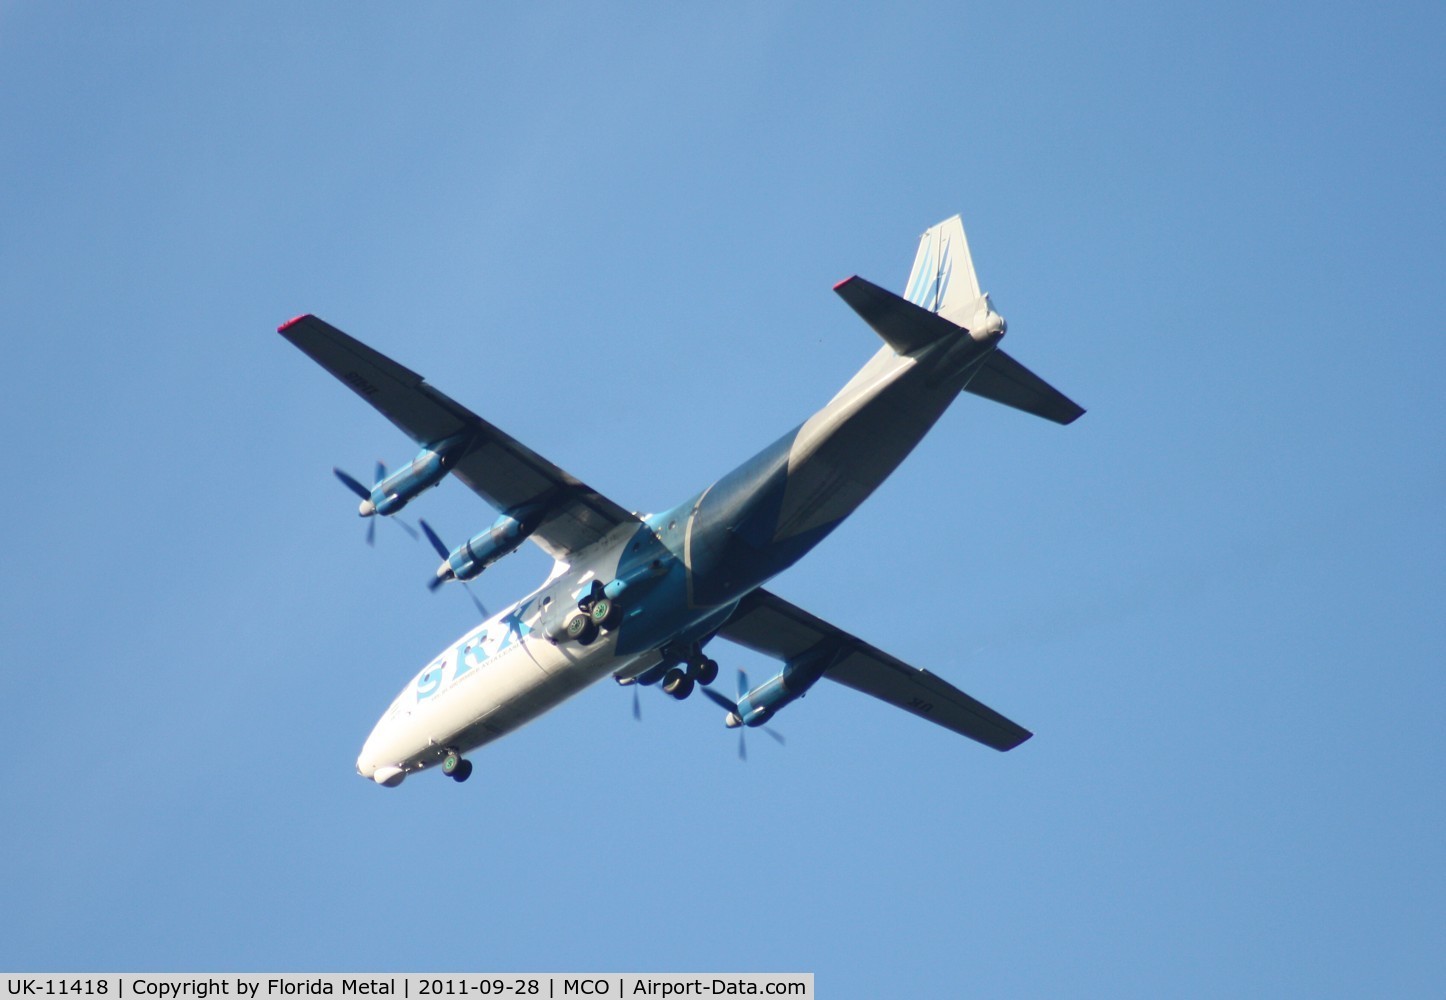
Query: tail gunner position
[[638, 597]]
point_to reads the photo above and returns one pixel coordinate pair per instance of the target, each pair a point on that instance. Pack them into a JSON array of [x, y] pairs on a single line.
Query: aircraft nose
[[366, 761], [378, 760]]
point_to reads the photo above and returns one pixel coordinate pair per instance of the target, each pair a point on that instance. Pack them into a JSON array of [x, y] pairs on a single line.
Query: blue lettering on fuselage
[[430, 681], [475, 650]]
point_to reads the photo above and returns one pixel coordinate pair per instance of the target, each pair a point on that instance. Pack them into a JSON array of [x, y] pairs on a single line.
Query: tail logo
[[931, 282]]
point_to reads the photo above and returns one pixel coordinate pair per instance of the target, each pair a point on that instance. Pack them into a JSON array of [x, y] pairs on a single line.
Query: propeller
[[732, 706], [437, 581], [381, 475], [356, 487]]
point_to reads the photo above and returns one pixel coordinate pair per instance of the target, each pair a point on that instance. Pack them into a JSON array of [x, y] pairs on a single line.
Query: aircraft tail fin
[[943, 279], [941, 296]]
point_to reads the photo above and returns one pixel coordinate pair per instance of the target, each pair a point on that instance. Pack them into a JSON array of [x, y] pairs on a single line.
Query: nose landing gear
[[456, 767]]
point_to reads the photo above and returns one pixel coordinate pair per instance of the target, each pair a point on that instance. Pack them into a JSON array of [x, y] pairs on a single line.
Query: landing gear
[[690, 668], [599, 608], [706, 671], [580, 629], [456, 767], [678, 683], [604, 613]]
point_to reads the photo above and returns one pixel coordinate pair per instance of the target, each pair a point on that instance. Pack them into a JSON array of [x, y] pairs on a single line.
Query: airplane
[[637, 597]]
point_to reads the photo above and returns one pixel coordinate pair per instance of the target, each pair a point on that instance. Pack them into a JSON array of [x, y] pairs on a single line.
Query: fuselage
[[679, 574]]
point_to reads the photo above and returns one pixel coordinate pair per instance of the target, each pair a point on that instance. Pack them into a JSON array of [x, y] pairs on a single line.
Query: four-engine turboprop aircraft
[[637, 597]]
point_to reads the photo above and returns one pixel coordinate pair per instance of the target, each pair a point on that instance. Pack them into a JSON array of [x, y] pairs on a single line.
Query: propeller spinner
[[734, 719], [368, 506], [440, 578]]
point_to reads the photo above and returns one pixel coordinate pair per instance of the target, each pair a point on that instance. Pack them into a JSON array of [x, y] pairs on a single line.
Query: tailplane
[[943, 283]]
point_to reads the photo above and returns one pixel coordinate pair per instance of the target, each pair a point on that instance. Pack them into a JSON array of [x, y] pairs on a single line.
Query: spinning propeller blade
[[732, 706], [356, 487], [444, 552], [435, 581], [437, 543], [719, 700], [476, 601], [352, 484]]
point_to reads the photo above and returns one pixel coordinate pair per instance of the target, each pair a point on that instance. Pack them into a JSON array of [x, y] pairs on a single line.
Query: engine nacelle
[[482, 550], [763, 702], [426, 470]]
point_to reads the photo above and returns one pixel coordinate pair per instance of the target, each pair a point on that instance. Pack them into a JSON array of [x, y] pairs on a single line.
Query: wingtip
[[292, 322], [1010, 744], [852, 277]]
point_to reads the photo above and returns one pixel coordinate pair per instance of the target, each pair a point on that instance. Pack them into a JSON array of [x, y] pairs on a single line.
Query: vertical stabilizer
[[943, 279]]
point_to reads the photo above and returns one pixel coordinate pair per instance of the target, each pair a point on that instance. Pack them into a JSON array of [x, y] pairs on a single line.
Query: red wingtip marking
[[844, 282], [291, 322]]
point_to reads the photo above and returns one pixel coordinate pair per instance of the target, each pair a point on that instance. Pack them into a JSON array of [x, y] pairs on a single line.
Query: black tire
[[707, 672], [463, 772], [451, 762], [577, 627], [673, 680]]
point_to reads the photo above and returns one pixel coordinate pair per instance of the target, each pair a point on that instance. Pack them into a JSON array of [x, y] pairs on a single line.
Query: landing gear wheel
[[581, 630], [451, 763], [707, 672], [677, 683], [603, 612], [463, 772]]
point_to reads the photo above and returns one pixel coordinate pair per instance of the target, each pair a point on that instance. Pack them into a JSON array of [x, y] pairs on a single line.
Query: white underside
[[492, 696]]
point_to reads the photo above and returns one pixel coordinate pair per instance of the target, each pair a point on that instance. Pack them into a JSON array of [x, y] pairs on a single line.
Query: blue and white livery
[[637, 598]]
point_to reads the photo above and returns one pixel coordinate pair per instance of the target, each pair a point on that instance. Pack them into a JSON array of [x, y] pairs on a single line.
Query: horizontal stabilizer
[[1006, 381], [904, 326], [766, 623]]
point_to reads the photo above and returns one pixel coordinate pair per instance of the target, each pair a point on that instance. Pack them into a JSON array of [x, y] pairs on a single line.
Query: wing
[[770, 625], [495, 466]]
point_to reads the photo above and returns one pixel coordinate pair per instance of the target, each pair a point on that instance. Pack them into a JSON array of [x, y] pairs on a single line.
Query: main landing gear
[[456, 767], [679, 682], [596, 613]]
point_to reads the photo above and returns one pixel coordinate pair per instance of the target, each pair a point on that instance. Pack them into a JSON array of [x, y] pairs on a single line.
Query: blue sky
[[1216, 598]]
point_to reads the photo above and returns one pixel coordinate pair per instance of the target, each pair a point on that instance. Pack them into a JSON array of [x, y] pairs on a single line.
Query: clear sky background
[[613, 230]]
